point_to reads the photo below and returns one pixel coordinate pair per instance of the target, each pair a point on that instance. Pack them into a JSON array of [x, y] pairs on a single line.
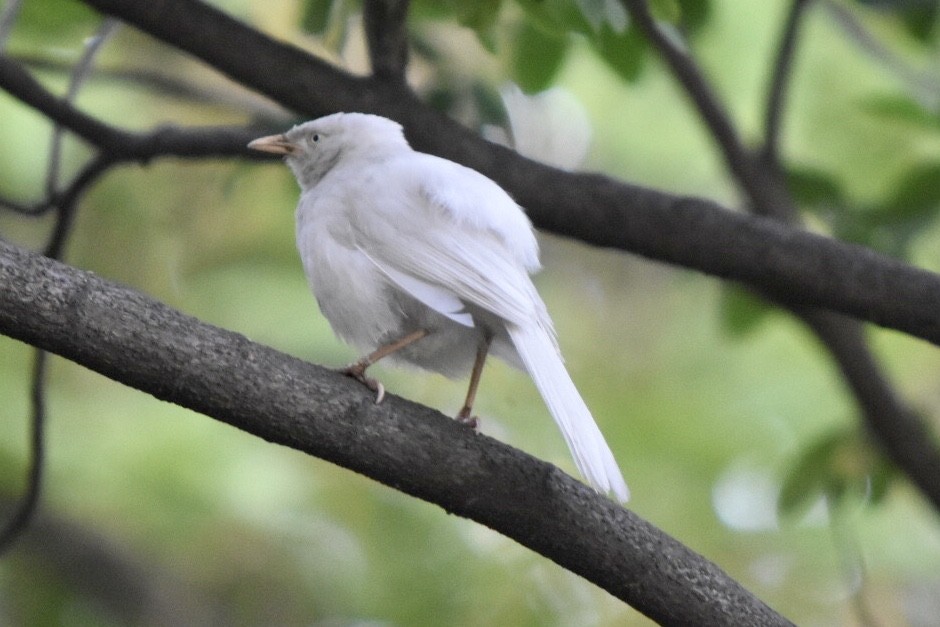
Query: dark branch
[[760, 188], [64, 219], [8, 17], [77, 77], [779, 81], [386, 31], [901, 434], [120, 145], [790, 265], [25, 509], [124, 335], [160, 83]]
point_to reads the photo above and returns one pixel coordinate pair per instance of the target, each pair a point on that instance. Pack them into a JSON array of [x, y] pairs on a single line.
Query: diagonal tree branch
[[787, 266], [790, 265], [132, 339], [120, 145]]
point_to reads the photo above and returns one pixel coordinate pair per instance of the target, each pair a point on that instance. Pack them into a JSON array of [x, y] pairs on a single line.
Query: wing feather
[[444, 250]]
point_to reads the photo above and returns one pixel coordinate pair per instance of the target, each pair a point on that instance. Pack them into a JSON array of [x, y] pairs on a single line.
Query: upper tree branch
[[144, 344], [387, 35], [791, 265]]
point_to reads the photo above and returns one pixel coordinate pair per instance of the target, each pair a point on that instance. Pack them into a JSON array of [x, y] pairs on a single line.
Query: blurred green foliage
[[720, 414]]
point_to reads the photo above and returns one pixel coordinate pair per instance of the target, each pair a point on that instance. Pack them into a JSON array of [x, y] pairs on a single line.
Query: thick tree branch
[[386, 32], [789, 265], [124, 335]]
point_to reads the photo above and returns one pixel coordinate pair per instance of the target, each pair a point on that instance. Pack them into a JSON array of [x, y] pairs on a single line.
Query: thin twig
[[7, 20], [924, 83], [54, 249], [67, 203], [28, 503], [121, 145], [387, 35], [851, 561], [22, 208], [87, 176], [779, 82], [765, 195], [79, 74], [161, 84]]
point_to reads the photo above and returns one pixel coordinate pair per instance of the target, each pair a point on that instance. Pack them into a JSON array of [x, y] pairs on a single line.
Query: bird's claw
[[465, 418], [358, 372]]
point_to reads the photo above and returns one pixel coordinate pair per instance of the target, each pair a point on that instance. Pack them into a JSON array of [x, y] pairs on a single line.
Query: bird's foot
[[358, 372], [465, 418]]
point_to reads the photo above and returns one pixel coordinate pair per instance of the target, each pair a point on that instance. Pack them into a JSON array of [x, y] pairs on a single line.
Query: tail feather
[[588, 447]]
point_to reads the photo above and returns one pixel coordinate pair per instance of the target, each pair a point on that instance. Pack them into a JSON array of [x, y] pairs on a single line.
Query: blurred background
[[729, 420]]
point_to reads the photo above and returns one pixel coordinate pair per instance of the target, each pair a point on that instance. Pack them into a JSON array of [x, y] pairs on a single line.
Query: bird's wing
[[445, 241], [448, 235]]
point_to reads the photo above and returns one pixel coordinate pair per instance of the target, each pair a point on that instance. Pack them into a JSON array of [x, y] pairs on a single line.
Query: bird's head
[[314, 148]]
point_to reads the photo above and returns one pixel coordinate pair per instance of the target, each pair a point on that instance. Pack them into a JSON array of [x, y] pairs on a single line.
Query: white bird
[[423, 260]]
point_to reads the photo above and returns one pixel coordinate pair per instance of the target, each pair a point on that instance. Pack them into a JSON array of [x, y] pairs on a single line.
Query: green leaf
[[695, 14], [50, 19], [624, 52], [920, 21], [812, 187], [917, 195], [807, 479], [536, 56], [741, 311], [329, 19], [480, 16], [917, 17], [669, 11], [560, 17], [315, 15], [900, 108], [840, 465]]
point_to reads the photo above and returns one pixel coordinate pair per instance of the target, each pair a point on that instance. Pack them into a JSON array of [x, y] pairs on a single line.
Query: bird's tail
[[588, 447]]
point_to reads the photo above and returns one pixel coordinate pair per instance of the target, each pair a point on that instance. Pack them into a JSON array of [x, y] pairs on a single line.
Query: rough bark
[[137, 341]]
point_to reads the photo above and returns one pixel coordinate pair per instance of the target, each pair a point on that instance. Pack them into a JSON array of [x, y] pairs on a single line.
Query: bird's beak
[[277, 144]]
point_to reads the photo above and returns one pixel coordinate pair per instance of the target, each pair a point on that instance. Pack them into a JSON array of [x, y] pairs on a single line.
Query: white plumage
[[395, 241]]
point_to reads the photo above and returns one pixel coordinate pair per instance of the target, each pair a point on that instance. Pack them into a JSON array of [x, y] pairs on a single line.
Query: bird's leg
[[464, 415], [357, 369]]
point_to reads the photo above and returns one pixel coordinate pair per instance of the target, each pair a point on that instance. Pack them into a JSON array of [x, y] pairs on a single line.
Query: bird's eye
[[316, 137]]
